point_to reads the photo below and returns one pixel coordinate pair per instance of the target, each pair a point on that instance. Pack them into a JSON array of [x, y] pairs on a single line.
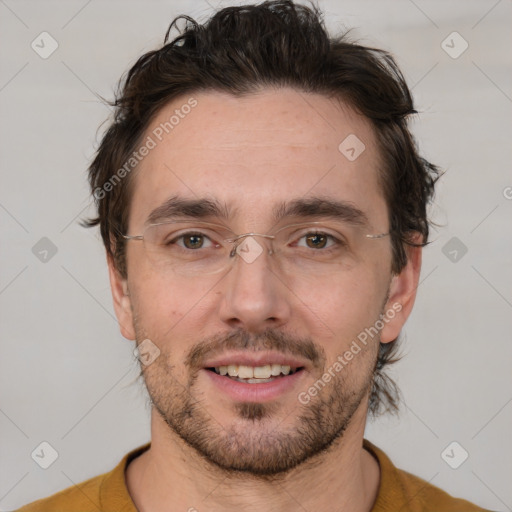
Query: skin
[[253, 153]]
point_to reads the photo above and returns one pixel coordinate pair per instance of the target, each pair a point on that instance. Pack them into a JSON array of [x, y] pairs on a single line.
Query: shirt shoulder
[[83, 497], [104, 492], [400, 491]]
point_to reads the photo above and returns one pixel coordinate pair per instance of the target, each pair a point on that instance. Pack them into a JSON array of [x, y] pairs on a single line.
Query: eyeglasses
[[194, 248]]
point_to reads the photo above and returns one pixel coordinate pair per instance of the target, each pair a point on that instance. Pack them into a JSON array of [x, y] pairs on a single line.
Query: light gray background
[[67, 375]]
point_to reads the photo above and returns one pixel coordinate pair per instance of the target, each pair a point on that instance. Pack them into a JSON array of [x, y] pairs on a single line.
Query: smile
[[254, 374]]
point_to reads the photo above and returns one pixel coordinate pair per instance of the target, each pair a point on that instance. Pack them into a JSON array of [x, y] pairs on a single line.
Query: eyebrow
[[178, 207], [315, 207], [304, 208]]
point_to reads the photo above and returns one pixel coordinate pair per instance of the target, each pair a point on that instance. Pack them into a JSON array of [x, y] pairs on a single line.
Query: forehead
[[256, 151]]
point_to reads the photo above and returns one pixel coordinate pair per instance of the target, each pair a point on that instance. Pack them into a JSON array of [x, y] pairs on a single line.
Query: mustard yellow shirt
[[399, 491]]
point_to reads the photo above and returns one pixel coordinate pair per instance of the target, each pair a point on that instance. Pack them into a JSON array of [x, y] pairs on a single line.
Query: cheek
[[161, 306], [340, 309], [170, 312]]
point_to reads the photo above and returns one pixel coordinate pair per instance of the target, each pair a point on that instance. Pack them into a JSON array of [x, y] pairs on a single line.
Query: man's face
[[252, 155]]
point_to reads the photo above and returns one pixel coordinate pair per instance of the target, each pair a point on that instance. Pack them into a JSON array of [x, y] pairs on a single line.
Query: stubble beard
[[257, 444]]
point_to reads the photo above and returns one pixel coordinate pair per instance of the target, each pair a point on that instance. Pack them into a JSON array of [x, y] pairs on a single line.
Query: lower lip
[[264, 392]]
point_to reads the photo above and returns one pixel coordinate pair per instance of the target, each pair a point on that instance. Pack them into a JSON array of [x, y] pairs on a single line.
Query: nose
[[255, 297]]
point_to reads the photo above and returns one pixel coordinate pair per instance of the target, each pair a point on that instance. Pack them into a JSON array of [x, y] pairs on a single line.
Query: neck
[[345, 477]]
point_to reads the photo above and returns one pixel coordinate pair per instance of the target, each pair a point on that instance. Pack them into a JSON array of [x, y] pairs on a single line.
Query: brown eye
[[193, 241], [316, 241]]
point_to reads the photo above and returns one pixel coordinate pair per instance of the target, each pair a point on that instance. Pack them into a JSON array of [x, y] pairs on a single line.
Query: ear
[[122, 301], [402, 294]]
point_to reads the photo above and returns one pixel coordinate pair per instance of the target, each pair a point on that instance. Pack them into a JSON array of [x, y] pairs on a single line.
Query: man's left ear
[[402, 293]]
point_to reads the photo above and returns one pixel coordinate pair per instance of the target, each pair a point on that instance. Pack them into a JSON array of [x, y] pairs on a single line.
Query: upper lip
[[262, 358]]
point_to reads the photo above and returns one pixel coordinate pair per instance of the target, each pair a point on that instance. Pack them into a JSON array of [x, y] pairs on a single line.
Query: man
[[263, 208]]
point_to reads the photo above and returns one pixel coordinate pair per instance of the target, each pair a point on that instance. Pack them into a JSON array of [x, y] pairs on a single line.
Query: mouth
[[261, 382], [255, 374], [247, 376]]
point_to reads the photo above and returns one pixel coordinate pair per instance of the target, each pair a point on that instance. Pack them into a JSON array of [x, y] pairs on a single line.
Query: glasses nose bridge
[[238, 239]]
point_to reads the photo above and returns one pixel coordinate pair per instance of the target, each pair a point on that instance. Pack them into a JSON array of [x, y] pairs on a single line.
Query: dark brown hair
[[241, 50]]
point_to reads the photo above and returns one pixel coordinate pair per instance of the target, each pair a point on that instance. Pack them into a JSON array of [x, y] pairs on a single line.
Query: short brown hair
[[239, 50]]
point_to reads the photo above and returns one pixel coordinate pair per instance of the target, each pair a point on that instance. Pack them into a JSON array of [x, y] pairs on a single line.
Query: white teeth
[[233, 370], [263, 372], [245, 372], [254, 373], [276, 369]]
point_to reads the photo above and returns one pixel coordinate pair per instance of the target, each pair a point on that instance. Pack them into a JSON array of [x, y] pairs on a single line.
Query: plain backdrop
[[67, 375]]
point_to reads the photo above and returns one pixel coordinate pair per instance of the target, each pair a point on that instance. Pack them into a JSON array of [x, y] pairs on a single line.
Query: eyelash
[[188, 234], [336, 241]]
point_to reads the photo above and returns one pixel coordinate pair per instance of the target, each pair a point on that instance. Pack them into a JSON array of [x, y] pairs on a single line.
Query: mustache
[[269, 339]]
